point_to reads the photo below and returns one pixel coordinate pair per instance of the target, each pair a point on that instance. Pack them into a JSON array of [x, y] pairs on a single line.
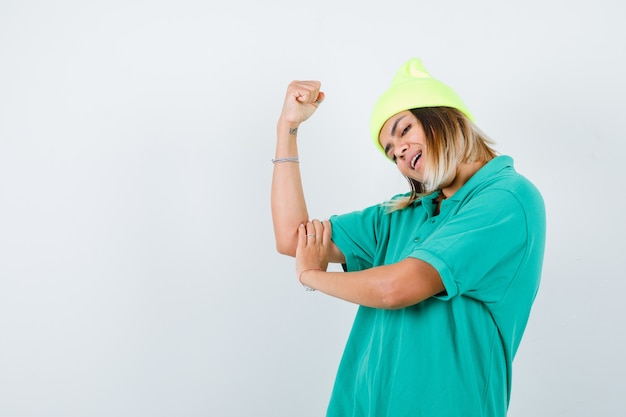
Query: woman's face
[[403, 139]]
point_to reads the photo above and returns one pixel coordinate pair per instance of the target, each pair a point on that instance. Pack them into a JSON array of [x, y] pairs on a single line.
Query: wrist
[[308, 288], [286, 126]]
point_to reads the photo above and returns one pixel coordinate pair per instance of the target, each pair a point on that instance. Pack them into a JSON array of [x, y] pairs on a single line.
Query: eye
[[405, 130], [389, 152]]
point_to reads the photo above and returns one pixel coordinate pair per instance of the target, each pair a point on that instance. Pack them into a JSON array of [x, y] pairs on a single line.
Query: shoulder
[[507, 197], [500, 178]]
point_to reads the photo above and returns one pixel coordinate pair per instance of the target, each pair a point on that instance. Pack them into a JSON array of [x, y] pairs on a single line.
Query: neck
[[464, 172]]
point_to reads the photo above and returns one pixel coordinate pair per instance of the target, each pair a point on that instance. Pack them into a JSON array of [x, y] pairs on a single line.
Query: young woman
[[445, 275]]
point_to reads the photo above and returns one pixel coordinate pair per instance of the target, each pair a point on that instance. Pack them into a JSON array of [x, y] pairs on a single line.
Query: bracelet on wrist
[[286, 159]]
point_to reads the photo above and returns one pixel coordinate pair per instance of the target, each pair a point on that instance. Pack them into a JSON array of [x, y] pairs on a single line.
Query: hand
[[301, 101], [313, 246]]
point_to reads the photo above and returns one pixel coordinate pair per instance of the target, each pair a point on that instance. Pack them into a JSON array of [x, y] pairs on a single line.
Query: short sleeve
[[479, 249], [356, 234]]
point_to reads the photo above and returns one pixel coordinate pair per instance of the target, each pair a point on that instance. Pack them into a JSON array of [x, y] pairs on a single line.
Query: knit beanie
[[412, 87]]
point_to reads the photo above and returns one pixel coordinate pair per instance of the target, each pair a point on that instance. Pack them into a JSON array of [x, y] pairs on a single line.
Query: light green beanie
[[411, 88]]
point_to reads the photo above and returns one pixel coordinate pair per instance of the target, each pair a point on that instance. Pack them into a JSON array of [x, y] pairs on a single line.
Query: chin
[[417, 176]]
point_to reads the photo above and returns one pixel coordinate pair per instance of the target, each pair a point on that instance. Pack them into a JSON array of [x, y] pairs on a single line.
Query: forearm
[[392, 286], [287, 195]]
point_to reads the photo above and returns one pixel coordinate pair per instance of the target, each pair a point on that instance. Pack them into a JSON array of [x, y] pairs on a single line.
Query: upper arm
[[335, 255]]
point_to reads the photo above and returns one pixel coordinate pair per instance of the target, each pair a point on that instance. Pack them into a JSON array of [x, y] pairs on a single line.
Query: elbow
[[407, 283], [285, 248], [286, 241], [392, 296], [392, 303]]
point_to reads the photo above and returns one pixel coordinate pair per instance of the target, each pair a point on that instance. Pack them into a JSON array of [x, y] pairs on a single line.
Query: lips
[[415, 159]]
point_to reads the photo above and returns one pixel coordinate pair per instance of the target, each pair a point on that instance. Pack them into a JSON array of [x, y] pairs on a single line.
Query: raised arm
[[288, 203]]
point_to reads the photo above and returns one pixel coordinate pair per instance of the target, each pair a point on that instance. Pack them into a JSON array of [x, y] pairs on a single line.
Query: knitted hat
[[411, 88]]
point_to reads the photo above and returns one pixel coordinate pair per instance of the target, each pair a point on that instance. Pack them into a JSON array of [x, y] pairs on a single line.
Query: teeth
[[414, 160]]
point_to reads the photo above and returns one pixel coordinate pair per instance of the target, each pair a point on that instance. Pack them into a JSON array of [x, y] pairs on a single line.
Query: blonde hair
[[451, 139]]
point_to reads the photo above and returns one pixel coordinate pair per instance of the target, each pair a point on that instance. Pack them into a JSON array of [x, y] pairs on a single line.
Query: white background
[[138, 275]]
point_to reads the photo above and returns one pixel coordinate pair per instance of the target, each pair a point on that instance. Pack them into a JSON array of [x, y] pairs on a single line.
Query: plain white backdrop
[[138, 275]]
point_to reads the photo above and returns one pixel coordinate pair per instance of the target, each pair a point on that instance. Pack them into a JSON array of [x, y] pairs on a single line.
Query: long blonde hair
[[451, 139]]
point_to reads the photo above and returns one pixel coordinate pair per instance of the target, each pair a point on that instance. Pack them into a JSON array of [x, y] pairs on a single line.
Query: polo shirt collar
[[490, 169]]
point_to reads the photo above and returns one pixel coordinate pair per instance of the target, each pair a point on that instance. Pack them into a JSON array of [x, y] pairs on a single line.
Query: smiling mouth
[[415, 159]]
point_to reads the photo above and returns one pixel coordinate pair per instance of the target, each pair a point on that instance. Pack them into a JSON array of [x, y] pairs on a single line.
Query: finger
[[311, 234], [303, 96], [309, 96], [319, 230], [306, 91], [298, 91], [301, 236]]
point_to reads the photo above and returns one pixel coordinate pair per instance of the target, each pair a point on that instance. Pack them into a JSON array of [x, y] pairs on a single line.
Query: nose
[[401, 149]]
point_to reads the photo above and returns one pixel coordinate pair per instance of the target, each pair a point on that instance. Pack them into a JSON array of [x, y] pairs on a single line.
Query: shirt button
[[417, 239]]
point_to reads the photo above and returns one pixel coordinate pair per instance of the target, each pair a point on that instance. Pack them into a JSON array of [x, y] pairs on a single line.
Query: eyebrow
[[395, 125]]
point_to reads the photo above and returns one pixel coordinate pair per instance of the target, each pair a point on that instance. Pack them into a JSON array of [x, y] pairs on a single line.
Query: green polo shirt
[[450, 355]]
